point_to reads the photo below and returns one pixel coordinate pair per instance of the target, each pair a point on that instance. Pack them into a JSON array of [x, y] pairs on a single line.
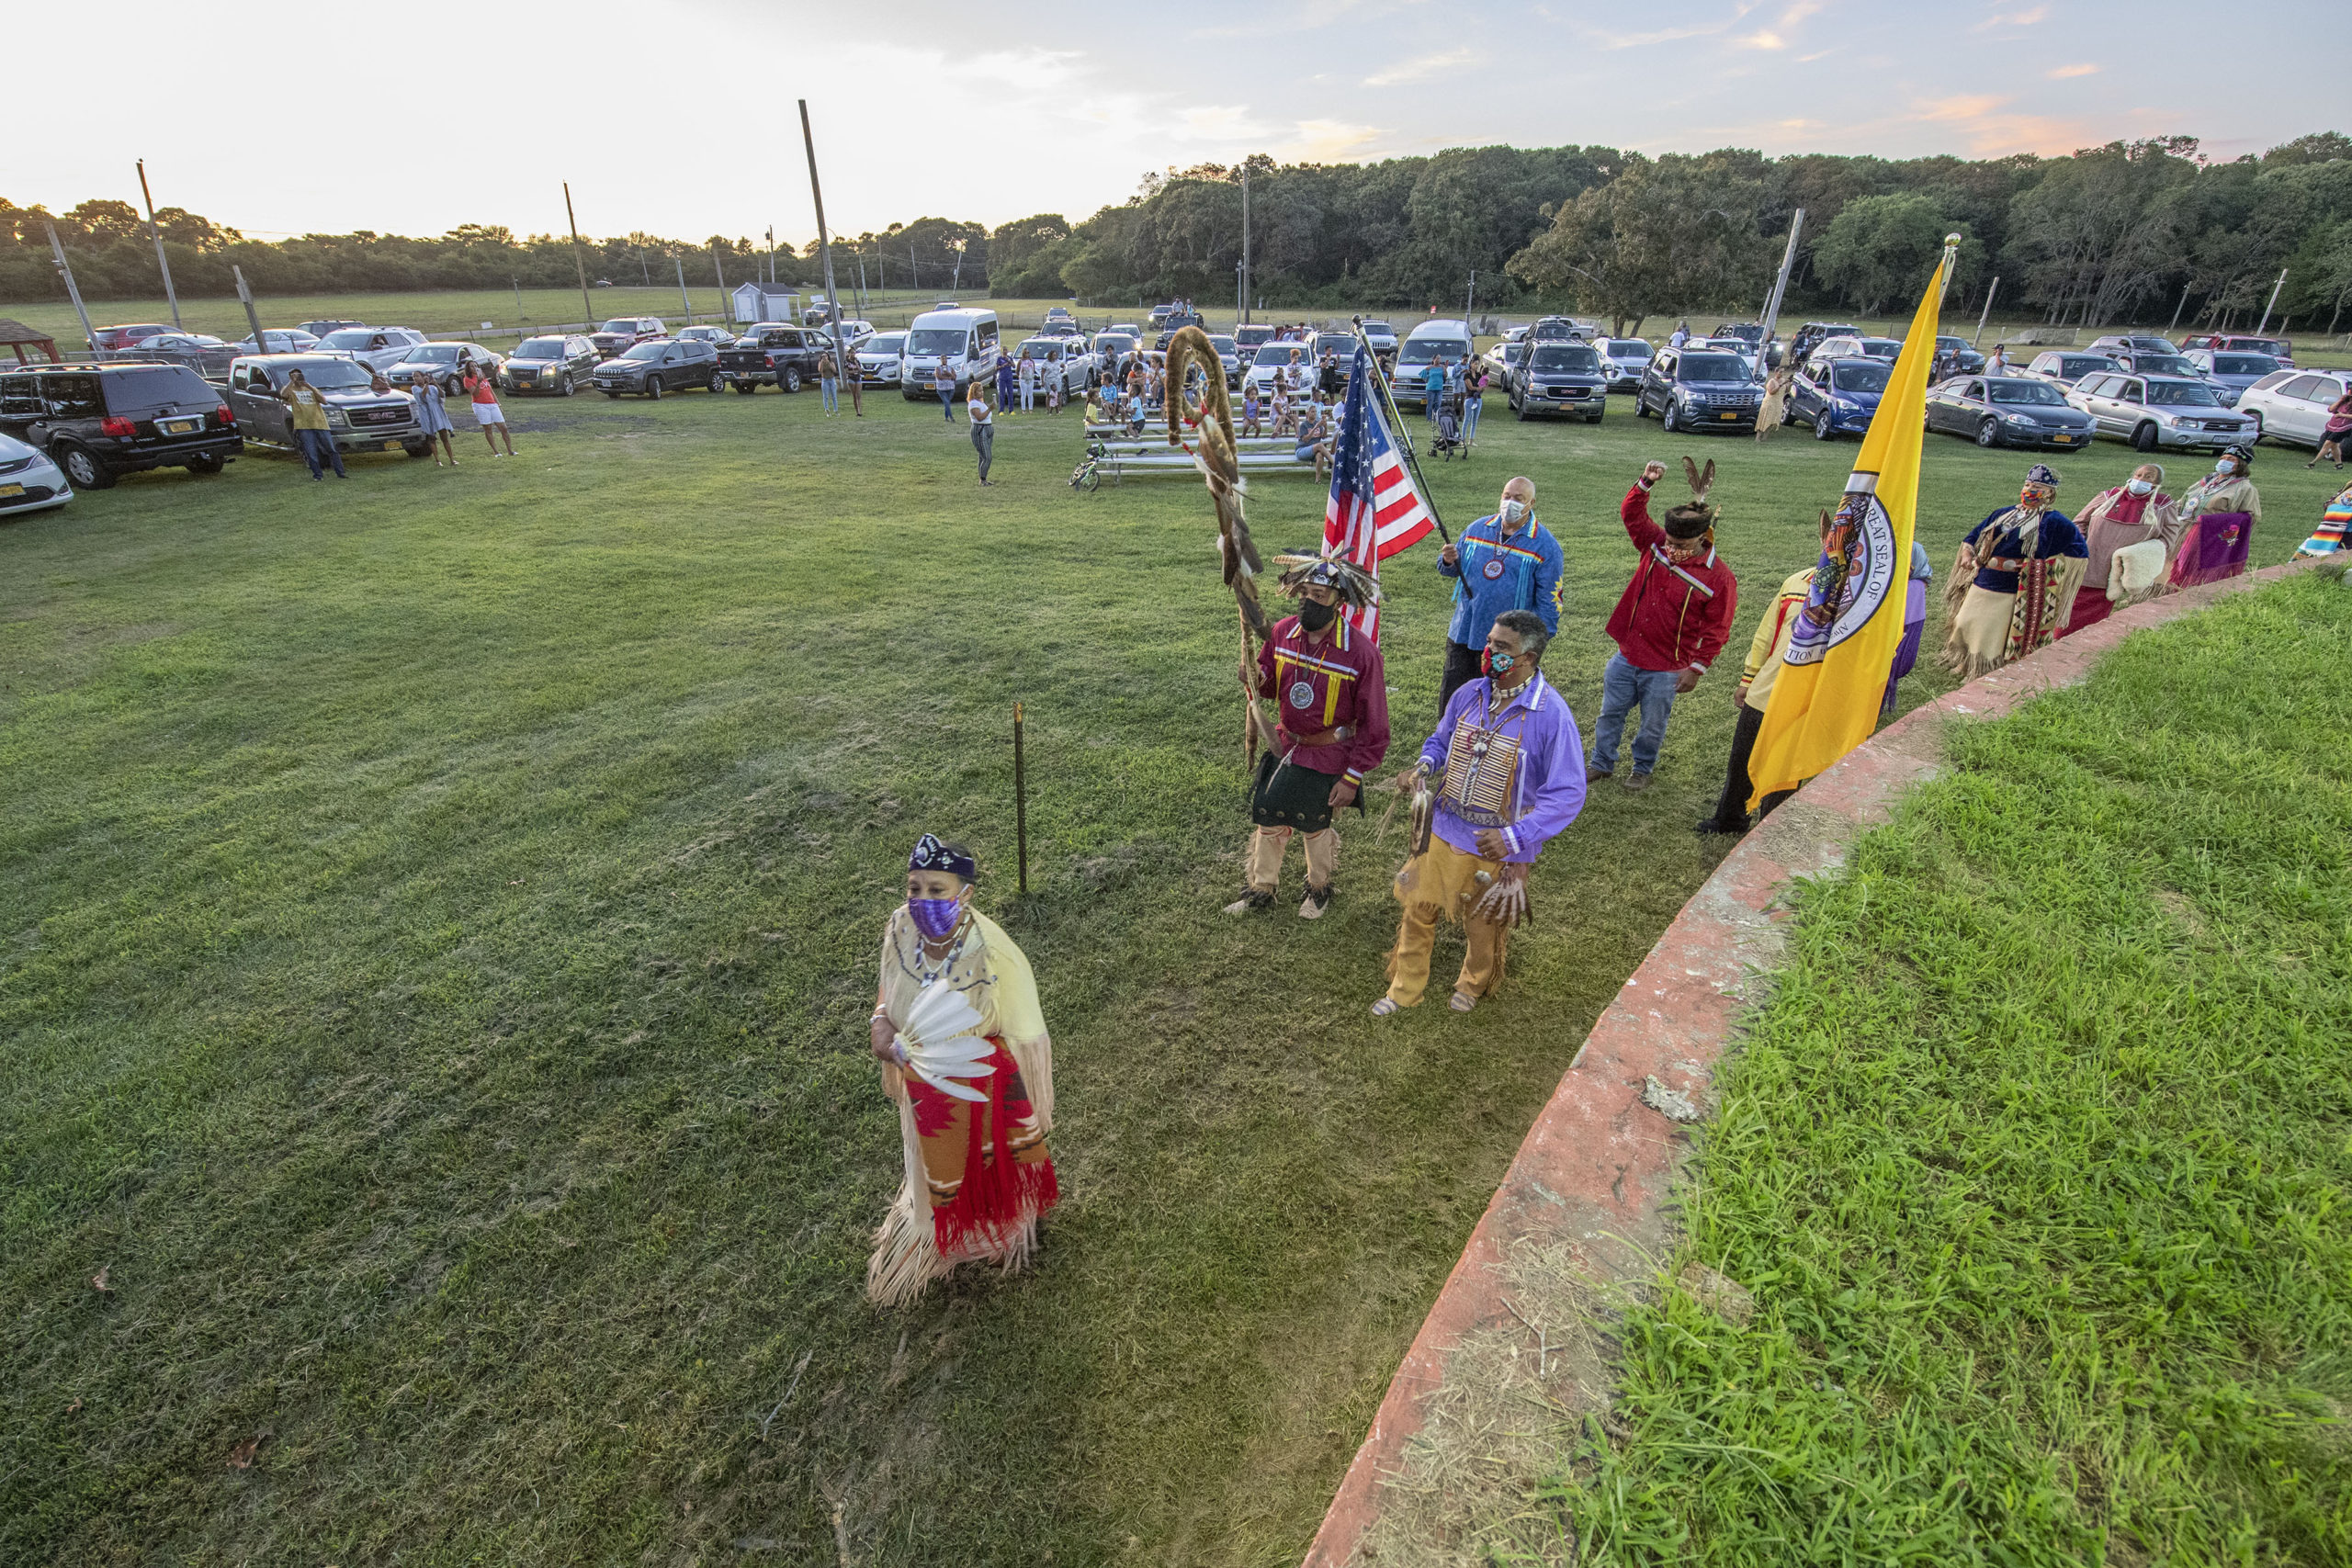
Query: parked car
[[1129, 328], [1554, 329], [772, 355], [1692, 388], [625, 332], [1836, 395], [1382, 337], [1278, 355], [1059, 322], [101, 421], [2161, 412], [2120, 344], [1058, 357], [2008, 411], [359, 419], [1433, 341], [1557, 376], [1111, 350], [855, 331], [556, 365], [2229, 373], [379, 347], [320, 328], [444, 364], [2149, 363], [2290, 404], [208, 356], [2278, 348], [965, 340], [1964, 360], [1740, 347], [1504, 356], [663, 364], [878, 358], [717, 337], [1247, 339], [1812, 334], [110, 339], [1859, 347], [1624, 359], [279, 340], [1752, 335], [30, 479], [2063, 368], [1228, 354]]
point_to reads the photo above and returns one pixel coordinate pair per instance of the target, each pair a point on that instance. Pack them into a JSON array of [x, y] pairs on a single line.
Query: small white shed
[[755, 302]]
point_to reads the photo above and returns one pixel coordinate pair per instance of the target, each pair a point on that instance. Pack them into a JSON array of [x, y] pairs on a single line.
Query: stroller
[[1450, 444]]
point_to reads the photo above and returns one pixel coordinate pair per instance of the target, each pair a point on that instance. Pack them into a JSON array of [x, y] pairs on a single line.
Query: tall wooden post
[[253, 315], [843, 365], [156, 234], [65, 271], [1021, 796], [579, 261]]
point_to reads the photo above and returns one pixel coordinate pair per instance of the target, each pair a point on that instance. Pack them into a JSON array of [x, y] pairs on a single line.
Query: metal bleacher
[[1125, 454]]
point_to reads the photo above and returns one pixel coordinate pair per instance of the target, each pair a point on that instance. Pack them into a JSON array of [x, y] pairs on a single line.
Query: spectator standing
[[1433, 392], [1004, 380], [1028, 373], [310, 431], [487, 413], [1999, 364], [2338, 433], [983, 428], [943, 381], [828, 381], [433, 418], [1055, 390], [1672, 620], [1474, 398], [1681, 336]]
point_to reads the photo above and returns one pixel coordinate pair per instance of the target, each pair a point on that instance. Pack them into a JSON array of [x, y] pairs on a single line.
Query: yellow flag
[[1824, 701]]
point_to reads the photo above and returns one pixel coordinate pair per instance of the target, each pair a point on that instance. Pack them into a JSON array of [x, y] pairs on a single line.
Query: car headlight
[[335, 416]]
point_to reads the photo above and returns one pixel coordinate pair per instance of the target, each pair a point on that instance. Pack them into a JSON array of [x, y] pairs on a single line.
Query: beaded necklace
[[924, 972]]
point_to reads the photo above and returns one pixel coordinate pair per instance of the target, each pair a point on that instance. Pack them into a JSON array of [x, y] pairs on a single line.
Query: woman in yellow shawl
[[978, 1173]]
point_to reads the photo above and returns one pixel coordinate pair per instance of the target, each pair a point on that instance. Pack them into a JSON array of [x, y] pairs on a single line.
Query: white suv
[[2291, 405]]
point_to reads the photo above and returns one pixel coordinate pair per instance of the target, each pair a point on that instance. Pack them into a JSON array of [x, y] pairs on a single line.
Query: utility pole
[[1780, 289], [253, 316], [2177, 310], [2273, 304], [578, 260], [1244, 311], [1985, 314], [771, 261], [841, 362], [683, 301], [66, 272], [156, 234], [1469, 296], [521, 315], [725, 307]]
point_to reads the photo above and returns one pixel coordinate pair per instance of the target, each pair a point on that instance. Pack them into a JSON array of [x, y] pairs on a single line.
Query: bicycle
[[1087, 475]]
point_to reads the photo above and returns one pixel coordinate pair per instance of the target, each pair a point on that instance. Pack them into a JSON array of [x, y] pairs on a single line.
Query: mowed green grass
[[439, 915], [2038, 1160]]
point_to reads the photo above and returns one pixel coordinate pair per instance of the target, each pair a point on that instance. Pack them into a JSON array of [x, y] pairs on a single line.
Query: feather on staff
[[1218, 460]]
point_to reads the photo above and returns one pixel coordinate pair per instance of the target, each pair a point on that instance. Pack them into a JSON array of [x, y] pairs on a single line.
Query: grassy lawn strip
[[2037, 1161]]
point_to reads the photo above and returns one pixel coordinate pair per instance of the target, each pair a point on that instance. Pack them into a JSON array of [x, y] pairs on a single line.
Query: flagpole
[[1397, 426]]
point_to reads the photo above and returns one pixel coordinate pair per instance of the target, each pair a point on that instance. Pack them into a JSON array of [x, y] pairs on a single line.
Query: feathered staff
[[1218, 460]]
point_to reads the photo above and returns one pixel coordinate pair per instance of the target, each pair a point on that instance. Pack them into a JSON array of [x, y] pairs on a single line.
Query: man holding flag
[[1841, 643]]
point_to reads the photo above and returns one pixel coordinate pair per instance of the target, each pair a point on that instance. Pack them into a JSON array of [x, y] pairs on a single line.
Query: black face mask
[[1315, 616]]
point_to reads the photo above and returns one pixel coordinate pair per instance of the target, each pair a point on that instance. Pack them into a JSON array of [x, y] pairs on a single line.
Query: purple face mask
[[935, 917]]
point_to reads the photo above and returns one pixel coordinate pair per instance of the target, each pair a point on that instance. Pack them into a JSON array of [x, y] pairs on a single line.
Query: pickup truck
[[773, 355]]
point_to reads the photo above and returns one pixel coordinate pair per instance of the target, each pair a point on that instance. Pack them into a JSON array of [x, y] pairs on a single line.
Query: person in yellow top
[[1766, 651], [310, 432]]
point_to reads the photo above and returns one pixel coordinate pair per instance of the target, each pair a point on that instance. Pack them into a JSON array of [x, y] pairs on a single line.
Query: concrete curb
[[1588, 1190]]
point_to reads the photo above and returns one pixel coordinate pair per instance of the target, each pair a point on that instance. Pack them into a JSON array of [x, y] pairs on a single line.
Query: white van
[[1449, 343], [965, 338]]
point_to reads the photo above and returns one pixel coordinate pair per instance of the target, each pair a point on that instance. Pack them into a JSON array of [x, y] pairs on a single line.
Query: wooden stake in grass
[[1020, 797]]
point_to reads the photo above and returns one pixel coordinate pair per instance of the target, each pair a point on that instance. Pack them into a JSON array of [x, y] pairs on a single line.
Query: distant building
[[755, 302]]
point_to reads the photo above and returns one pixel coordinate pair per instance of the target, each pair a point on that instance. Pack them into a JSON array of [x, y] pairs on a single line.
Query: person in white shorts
[[487, 413]]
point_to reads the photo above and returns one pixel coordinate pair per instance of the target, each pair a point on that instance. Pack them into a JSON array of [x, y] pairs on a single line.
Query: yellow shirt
[[309, 409], [1770, 645]]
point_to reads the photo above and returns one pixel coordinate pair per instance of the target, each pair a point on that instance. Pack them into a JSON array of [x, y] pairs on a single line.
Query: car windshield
[[883, 343], [349, 337], [1279, 352], [1629, 348], [1224, 345], [1954, 343], [1712, 368], [1879, 348], [1434, 351], [1115, 342], [540, 348], [330, 375], [1036, 350], [2040, 392], [439, 353], [645, 350], [1380, 327], [1859, 376], [2244, 365], [2182, 394], [2271, 346], [2075, 368], [1565, 357], [936, 339], [2164, 365]]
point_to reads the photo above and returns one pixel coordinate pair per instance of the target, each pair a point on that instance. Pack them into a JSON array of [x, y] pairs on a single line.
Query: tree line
[[2139, 231]]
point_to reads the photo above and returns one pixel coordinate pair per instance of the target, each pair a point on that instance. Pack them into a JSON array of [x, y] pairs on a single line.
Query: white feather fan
[[939, 1044]]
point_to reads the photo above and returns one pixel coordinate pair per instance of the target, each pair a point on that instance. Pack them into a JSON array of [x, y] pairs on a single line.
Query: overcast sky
[[677, 116]]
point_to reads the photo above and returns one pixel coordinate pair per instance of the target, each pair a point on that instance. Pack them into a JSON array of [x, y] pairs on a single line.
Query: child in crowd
[[1249, 412]]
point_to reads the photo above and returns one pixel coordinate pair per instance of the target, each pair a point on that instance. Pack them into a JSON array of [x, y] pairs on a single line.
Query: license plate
[[2062, 440], [12, 489], [391, 446], [177, 426], [1726, 416]]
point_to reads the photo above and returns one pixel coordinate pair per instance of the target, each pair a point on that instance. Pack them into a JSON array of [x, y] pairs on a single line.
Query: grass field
[[2038, 1162], [438, 917]]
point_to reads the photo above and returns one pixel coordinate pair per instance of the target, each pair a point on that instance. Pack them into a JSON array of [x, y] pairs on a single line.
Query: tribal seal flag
[[1825, 700]]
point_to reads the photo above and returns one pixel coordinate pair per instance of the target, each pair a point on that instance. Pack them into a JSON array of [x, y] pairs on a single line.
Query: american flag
[[1375, 509]]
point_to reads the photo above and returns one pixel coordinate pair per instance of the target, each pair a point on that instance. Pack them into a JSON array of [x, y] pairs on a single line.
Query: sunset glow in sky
[[677, 117]]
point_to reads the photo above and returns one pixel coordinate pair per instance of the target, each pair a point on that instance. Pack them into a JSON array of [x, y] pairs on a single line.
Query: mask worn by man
[[935, 918], [1513, 512], [1315, 616], [2141, 487], [1493, 663]]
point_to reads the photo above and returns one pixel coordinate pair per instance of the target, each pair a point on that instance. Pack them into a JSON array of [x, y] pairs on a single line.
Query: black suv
[[1699, 389], [101, 422], [1559, 377]]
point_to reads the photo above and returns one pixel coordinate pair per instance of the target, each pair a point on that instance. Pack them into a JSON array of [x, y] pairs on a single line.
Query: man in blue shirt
[[1505, 561]]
